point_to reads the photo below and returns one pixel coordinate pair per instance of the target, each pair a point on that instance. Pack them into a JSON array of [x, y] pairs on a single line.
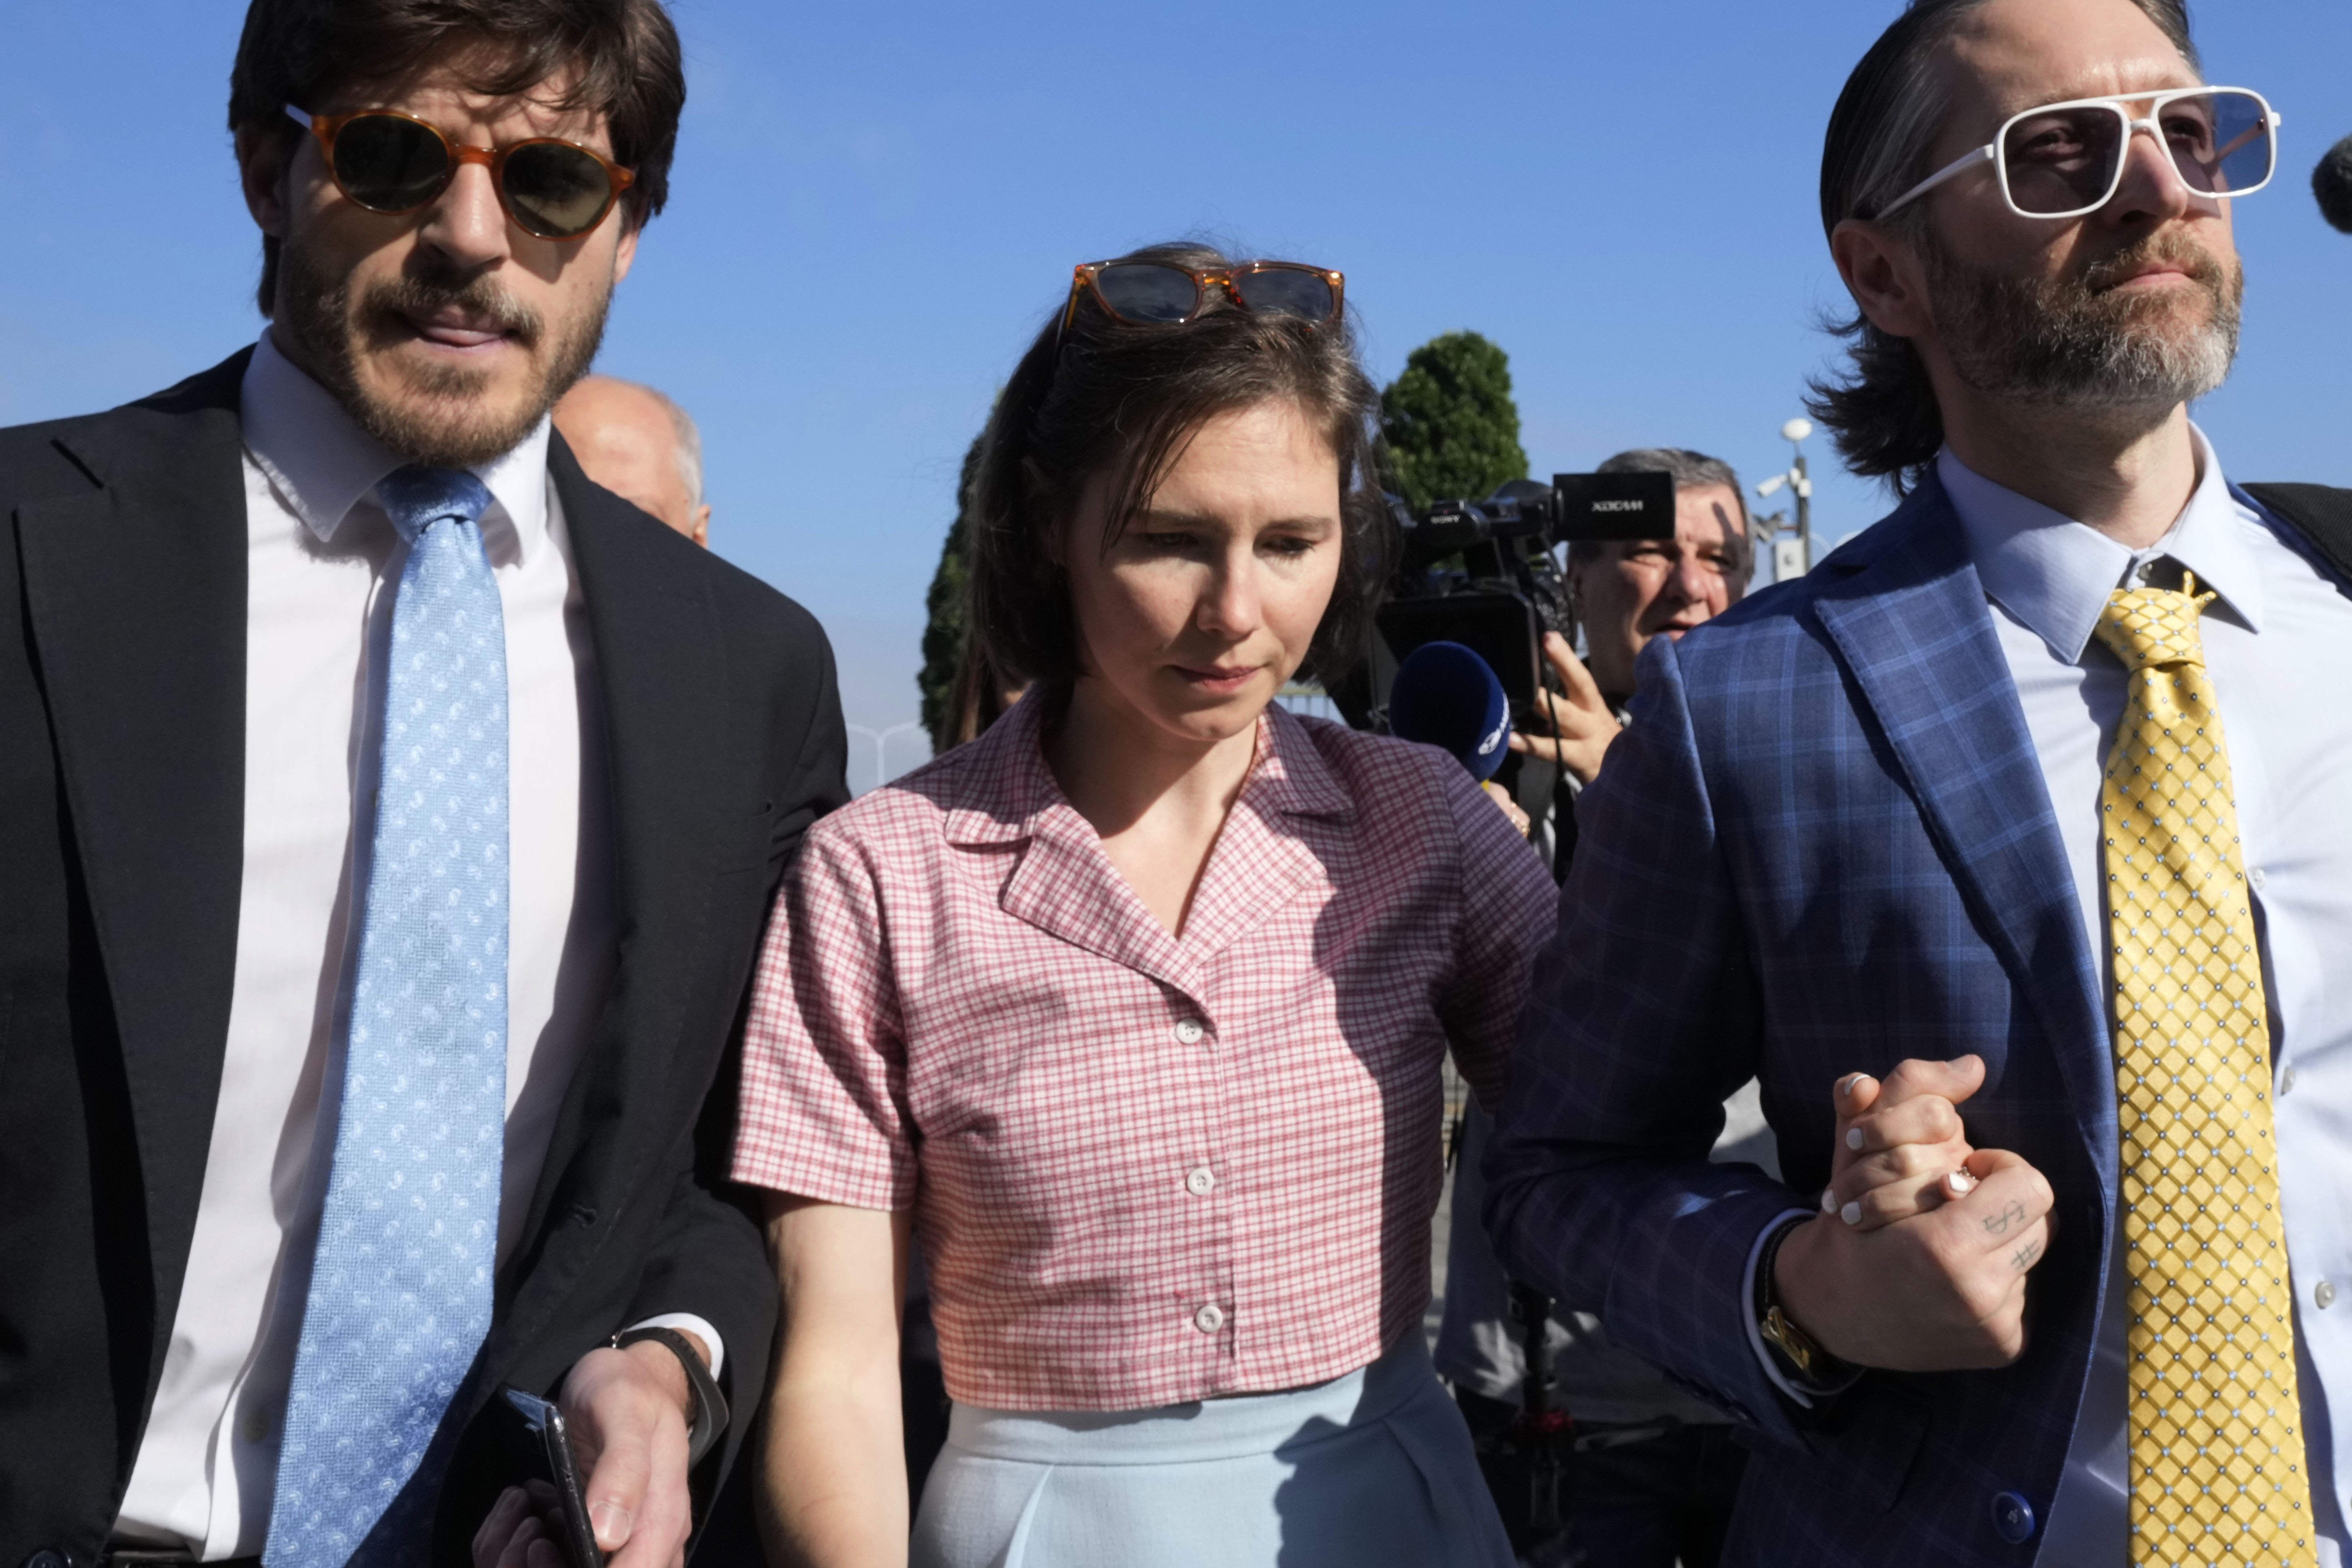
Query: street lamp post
[[881, 739], [1794, 557]]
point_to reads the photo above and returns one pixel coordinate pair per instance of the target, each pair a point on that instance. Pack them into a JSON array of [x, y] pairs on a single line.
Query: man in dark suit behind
[[388, 817]]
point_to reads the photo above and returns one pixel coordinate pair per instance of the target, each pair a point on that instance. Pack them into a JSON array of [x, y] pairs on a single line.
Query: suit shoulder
[[756, 603], [78, 453], [753, 615], [1786, 612], [38, 461], [1766, 618]]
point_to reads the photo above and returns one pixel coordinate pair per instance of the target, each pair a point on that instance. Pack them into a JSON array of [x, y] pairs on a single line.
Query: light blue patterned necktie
[[400, 1286]]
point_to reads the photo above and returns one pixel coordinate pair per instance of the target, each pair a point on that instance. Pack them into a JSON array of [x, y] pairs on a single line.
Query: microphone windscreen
[[1445, 696], [2332, 183]]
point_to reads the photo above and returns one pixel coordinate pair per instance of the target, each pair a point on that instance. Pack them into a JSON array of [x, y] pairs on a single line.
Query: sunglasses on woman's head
[[393, 164], [1160, 293]]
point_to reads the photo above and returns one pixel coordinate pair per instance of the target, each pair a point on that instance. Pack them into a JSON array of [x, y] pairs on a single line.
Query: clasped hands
[[1919, 1258], [628, 1412]]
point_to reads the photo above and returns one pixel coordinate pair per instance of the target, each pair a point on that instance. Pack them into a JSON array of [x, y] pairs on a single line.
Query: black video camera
[[1482, 573]]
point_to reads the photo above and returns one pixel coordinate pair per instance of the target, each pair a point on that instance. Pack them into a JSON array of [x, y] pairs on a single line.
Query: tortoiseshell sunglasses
[[1160, 293], [391, 163]]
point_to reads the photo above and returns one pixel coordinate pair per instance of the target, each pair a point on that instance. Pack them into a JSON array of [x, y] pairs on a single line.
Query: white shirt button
[[2286, 1079], [2324, 1294], [1201, 1182], [1189, 1032], [1209, 1319], [2255, 876]]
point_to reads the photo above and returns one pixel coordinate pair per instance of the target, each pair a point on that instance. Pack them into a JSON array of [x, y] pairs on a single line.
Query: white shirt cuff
[[1748, 1293], [701, 1330]]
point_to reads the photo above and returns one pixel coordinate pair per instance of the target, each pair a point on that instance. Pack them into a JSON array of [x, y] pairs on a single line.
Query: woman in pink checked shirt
[[1134, 1007]]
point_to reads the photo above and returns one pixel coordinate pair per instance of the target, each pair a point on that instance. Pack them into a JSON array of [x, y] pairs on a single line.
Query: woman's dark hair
[[1119, 400], [1881, 412], [624, 54]]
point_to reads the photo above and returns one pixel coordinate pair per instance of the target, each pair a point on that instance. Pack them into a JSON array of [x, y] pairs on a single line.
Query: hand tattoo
[[1999, 1224], [2025, 1256]]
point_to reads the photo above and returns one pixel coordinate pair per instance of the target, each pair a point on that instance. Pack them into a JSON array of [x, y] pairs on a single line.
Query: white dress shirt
[[322, 561], [2276, 644]]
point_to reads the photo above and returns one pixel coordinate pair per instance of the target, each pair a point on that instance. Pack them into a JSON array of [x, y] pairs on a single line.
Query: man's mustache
[[478, 298], [2172, 249]]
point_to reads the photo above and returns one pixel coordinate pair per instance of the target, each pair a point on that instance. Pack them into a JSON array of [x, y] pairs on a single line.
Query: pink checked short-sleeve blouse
[[1145, 1169]]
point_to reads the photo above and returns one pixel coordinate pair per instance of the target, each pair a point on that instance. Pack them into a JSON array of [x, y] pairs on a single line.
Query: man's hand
[[1586, 725], [1930, 1275], [520, 1531], [628, 1411]]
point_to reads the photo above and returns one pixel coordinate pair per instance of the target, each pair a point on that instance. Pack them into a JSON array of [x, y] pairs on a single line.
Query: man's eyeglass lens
[[2068, 158], [1151, 291], [392, 164]]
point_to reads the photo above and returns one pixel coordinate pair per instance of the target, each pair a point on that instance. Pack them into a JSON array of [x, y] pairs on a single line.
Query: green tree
[[1452, 428], [944, 634]]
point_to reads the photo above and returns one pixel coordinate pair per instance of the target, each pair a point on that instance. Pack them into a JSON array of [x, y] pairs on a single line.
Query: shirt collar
[[324, 466], [1009, 793], [2054, 573]]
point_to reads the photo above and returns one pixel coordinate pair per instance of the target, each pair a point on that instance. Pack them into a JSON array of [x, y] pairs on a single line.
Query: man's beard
[[2075, 342], [446, 419]]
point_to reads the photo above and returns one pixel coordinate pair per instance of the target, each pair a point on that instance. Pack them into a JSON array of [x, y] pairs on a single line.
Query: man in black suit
[[265, 1278]]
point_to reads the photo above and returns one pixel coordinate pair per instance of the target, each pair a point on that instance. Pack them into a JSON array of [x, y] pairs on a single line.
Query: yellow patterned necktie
[[2218, 1472]]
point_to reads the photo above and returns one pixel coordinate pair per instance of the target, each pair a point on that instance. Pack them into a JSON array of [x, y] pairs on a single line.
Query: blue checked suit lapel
[[1910, 623]]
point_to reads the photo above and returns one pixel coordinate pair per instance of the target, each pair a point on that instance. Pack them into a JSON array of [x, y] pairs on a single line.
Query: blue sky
[[876, 204]]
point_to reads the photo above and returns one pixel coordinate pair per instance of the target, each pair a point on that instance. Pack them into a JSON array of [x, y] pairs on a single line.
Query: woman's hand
[[1502, 797], [1586, 725], [1901, 1147]]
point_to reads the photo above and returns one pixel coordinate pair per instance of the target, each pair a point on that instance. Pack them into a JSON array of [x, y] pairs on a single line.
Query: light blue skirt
[[1369, 1468]]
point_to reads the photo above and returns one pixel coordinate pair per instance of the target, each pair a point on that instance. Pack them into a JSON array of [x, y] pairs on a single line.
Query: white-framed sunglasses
[[2064, 159]]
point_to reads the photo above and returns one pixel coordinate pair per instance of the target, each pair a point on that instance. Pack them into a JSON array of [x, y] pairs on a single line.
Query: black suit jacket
[[122, 605]]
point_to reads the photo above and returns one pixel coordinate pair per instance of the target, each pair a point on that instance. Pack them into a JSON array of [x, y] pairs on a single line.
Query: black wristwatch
[[709, 1404], [1799, 1355]]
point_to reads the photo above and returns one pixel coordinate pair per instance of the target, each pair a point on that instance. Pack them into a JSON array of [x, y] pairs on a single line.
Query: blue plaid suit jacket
[[1823, 846]]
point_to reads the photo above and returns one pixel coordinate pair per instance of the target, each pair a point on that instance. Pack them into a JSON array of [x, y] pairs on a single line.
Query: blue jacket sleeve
[[1645, 1013]]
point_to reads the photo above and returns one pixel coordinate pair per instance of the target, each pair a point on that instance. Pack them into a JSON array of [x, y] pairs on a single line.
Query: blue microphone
[[1445, 696]]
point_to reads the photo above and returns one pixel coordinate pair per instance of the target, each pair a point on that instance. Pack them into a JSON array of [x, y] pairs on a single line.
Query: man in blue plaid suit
[[1853, 829]]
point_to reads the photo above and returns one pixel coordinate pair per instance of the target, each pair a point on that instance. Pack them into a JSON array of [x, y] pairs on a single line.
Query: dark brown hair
[[1882, 412], [1121, 401], [624, 51]]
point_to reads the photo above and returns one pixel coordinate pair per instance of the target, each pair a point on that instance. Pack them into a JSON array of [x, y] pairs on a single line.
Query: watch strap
[[1799, 1356], [709, 1405]]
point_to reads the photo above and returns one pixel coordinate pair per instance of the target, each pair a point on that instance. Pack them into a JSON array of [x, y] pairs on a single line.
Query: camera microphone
[[2332, 183], [1445, 696]]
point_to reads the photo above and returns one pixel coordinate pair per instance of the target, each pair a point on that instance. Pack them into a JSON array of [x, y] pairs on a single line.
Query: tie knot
[[2147, 627], [416, 497]]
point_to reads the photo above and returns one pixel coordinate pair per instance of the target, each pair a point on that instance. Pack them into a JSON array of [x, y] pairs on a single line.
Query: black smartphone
[[545, 1450]]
